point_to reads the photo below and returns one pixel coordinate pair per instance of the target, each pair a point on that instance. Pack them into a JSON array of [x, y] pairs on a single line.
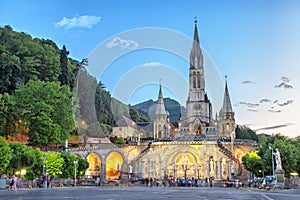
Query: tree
[[252, 163], [54, 163], [8, 115], [68, 168], [5, 155], [244, 132], [48, 109], [288, 150], [63, 77]]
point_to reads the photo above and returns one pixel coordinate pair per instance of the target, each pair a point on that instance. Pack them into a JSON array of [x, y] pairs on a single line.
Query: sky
[[133, 46]]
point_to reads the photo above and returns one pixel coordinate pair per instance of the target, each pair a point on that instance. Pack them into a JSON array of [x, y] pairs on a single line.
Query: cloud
[[274, 127], [284, 85], [252, 110], [248, 82], [285, 79], [251, 105], [286, 103], [275, 111], [265, 101], [84, 21], [152, 64], [123, 43]]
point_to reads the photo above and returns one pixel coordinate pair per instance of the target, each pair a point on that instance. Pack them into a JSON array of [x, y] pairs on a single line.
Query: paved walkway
[[156, 193]]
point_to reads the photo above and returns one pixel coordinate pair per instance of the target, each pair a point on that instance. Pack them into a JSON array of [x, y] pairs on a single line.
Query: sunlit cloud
[[251, 105], [286, 103], [248, 82], [265, 101], [152, 64], [122, 43], [285, 79], [284, 85], [274, 127], [84, 21], [252, 110], [275, 111]]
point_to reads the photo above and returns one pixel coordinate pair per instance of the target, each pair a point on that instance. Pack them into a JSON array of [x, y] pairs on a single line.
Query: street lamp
[[44, 167], [75, 162], [272, 159]]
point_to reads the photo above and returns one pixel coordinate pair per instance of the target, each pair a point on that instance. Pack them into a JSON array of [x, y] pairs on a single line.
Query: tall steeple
[[198, 106], [160, 107], [227, 108], [196, 57]]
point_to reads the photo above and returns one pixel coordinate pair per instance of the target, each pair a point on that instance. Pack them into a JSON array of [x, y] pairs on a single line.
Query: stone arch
[[95, 165], [174, 162], [114, 162]]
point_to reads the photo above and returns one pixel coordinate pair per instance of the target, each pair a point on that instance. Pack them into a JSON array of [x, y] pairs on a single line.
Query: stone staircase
[[230, 155], [143, 152]]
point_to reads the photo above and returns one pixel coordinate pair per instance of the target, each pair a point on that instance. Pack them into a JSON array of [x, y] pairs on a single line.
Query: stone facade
[[201, 147]]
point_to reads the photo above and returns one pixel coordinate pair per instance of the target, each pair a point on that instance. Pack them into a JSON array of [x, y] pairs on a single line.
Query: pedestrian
[[11, 183], [151, 182], [147, 182], [15, 183]]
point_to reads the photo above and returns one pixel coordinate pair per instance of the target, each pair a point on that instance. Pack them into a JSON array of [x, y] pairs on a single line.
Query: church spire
[[196, 57], [227, 108], [196, 37], [160, 107]]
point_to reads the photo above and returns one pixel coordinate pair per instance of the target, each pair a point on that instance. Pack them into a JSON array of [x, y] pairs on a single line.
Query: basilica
[[202, 146]]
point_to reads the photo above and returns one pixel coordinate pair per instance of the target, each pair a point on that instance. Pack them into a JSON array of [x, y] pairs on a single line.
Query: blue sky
[[255, 43]]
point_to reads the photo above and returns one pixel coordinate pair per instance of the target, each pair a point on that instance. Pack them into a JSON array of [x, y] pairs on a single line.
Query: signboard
[[93, 140]]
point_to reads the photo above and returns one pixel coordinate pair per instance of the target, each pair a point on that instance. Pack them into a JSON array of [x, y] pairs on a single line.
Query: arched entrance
[[185, 165], [94, 169], [114, 162]]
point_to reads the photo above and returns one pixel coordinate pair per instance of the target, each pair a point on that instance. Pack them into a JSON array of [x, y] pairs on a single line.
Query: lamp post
[[75, 162], [44, 166], [272, 159]]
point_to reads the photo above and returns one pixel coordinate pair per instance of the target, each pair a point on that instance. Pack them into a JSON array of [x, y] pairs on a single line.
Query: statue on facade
[[277, 159]]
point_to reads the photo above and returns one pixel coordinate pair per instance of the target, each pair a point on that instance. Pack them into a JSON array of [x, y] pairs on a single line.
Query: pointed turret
[[160, 107], [227, 108], [160, 124], [227, 121]]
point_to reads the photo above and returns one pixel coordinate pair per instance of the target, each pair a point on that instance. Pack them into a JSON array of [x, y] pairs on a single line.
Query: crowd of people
[[174, 181]]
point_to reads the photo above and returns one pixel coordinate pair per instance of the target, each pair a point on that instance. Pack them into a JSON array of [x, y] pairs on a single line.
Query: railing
[[143, 152], [230, 155]]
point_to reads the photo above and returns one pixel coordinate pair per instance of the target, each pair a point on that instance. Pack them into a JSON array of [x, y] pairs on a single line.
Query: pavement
[[157, 193]]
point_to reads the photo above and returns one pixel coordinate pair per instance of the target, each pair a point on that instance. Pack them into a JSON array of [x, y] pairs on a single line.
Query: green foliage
[[252, 162], [25, 158], [138, 115], [54, 163], [289, 150], [68, 167], [24, 58], [103, 105], [48, 109], [5, 155], [8, 115], [120, 140], [244, 132]]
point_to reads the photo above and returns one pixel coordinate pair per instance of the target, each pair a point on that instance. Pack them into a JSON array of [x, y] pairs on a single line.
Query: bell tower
[[199, 110], [227, 121]]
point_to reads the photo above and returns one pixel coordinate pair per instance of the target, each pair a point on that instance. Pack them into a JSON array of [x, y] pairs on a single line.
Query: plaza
[[149, 193]]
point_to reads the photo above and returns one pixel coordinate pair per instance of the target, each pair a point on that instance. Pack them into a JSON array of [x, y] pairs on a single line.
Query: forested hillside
[[37, 100]]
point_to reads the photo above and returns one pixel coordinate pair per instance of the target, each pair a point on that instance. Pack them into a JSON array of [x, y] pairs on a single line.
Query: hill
[[172, 106]]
